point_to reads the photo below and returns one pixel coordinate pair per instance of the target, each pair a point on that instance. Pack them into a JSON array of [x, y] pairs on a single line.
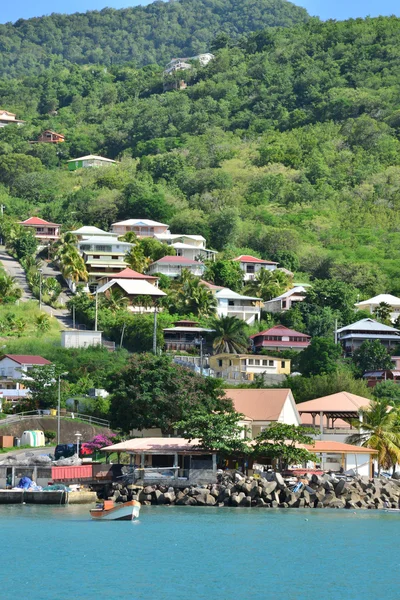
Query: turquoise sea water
[[172, 553]]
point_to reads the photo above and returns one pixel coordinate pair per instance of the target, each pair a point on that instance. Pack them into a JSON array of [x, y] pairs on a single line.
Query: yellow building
[[244, 367]]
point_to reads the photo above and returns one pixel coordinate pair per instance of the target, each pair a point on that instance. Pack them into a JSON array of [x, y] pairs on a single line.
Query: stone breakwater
[[324, 491]]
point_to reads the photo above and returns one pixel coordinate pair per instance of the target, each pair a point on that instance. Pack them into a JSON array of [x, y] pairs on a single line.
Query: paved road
[[14, 269]]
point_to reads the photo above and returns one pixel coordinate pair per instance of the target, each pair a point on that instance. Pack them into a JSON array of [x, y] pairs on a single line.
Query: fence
[[45, 414]]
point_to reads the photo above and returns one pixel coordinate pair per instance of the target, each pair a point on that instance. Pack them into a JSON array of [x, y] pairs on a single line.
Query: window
[[265, 363], [96, 256], [39, 229], [283, 364], [103, 248], [231, 303], [250, 361], [271, 363], [115, 257], [257, 362], [283, 303], [250, 269], [219, 362]]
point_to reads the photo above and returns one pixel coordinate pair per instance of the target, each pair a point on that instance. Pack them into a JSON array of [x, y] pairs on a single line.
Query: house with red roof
[[128, 274], [280, 337], [14, 369], [251, 265], [44, 230], [172, 266]]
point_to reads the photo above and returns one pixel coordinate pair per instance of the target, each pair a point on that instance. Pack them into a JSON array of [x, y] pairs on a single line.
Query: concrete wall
[[68, 428]]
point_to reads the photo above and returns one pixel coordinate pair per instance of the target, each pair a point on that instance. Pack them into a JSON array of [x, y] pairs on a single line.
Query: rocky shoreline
[[326, 491]]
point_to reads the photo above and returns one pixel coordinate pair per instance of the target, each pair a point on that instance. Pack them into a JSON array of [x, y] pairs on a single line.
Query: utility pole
[[2, 207], [155, 331], [201, 355], [96, 311], [122, 335], [59, 407], [40, 288], [335, 331], [73, 316]]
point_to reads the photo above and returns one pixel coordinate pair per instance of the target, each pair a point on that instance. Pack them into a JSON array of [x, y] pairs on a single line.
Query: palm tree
[[379, 430], [268, 284], [136, 259], [200, 301], [43, 323], [229, 335], [115, 300], [73, 267], [383, 312], [129, 236], [8, 287]]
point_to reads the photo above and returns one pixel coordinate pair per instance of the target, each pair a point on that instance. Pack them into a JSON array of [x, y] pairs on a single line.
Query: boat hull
[[120, 512]]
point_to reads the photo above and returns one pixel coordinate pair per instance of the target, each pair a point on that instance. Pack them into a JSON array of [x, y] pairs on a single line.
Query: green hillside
[[286, 145], [141, 35]]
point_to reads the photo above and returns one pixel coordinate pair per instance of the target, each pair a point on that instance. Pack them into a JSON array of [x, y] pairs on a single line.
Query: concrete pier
[[21, 496]]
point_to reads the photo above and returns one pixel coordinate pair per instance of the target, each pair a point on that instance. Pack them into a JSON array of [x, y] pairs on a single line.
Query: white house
[[188, 246], [103, 255], [372, 303], [7, 118], [133, 290], [77, 338], [88, 231], [230, 303], [352, 336], [251, 265], [16, 367], [172, 266], [89, 161], [262, 407], [285, 301], [141, 227]]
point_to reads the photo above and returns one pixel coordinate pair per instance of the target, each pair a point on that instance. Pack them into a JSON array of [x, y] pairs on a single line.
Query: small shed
[[91, 160], [77, 338]]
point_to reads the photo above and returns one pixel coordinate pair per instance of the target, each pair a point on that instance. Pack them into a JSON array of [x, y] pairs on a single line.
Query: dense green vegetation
[[141, 35], [286, 145]]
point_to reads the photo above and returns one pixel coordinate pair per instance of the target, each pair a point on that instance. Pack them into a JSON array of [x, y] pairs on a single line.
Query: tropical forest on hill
[[285, 146], [141, 35]]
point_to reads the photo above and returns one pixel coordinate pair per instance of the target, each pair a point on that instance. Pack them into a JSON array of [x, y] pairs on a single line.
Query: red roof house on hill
[[44, 230], [251, 265], [128, 274], [280, 338]]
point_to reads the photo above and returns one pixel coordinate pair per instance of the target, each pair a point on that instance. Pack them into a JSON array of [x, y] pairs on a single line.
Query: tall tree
[[372, 356], [229, 335], [152, 391]]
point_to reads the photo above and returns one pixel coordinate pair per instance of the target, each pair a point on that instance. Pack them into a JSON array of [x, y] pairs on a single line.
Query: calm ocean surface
[[58, 553]]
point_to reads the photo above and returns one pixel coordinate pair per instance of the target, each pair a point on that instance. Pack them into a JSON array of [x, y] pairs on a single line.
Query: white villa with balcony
[[232, 304], [188, 246], [285, 301], [103, 255], [14, 370], [251, 265], [172, 266], [372, 303], [141, 227]]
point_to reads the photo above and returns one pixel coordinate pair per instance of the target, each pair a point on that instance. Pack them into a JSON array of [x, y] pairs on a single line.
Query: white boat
[[108, 511]]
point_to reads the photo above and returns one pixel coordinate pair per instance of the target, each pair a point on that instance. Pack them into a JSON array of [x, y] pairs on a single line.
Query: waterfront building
[[168, 460], [263, 407], [328, 417]]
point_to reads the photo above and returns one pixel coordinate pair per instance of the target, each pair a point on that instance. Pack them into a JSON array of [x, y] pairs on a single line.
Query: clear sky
[[325, 9]]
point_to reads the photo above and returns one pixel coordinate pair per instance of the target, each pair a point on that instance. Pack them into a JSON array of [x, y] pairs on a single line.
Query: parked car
[[68, 450]]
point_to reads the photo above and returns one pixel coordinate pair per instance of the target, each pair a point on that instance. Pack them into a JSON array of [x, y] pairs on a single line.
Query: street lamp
[[78, 435], [59, 406], [40, 288], [96, 310], [199, 342]]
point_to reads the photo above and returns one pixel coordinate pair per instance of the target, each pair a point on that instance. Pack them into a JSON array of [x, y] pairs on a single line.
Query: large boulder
[[205, 499]]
